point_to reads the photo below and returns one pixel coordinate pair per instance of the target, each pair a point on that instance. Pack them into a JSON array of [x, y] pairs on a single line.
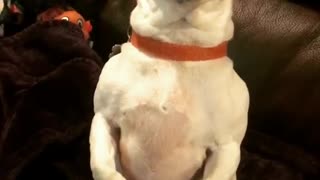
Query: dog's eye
[[65, 18], [80, 23]]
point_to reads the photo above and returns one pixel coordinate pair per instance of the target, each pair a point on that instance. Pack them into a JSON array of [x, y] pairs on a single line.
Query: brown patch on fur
[[125, 162], [159, 136]]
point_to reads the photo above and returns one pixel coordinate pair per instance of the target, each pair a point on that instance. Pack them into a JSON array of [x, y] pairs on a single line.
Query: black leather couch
[[276, 50]]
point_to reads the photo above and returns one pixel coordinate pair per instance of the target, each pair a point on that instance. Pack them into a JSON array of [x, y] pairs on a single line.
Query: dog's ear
[[147, 4]]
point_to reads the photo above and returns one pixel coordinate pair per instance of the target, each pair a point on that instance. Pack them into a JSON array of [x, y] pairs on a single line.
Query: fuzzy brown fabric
[[48, 74]]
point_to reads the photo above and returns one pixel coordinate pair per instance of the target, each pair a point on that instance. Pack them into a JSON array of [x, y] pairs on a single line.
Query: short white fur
[[170, 113]]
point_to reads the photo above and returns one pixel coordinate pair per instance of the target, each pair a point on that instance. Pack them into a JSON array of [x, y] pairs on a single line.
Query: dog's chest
[[156, 129], [162, 110]]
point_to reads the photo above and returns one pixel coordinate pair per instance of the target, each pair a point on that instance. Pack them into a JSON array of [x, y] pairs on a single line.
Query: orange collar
[[177, 52]]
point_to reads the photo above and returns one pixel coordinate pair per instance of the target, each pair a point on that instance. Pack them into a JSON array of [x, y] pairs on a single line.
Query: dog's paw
[[115, 176], [116, 49], [234, 177], [99, 174]]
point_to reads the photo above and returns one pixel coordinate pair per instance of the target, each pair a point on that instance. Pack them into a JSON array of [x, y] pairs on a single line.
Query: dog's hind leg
[[103, 150], [223, 162]]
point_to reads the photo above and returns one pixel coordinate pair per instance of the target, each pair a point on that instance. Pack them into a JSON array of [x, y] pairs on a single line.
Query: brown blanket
[[48, 75]]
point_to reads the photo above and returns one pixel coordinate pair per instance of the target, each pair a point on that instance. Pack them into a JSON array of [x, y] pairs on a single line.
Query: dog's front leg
[[223, 163], [103, 149]]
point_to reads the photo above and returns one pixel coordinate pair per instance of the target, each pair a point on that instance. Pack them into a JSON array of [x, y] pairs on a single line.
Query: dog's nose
[[182, 1]]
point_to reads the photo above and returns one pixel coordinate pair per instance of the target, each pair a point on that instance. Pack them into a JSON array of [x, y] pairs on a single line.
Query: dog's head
[[198, 13], [196, 22]]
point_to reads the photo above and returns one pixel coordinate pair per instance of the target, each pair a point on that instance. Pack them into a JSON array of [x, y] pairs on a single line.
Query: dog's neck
[[177, 52], [203, 23]]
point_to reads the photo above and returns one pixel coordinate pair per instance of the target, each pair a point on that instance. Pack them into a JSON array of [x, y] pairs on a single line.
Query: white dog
[[170, 96]]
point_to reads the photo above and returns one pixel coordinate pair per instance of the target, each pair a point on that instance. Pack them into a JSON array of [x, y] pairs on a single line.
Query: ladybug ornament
[[70, 15]]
